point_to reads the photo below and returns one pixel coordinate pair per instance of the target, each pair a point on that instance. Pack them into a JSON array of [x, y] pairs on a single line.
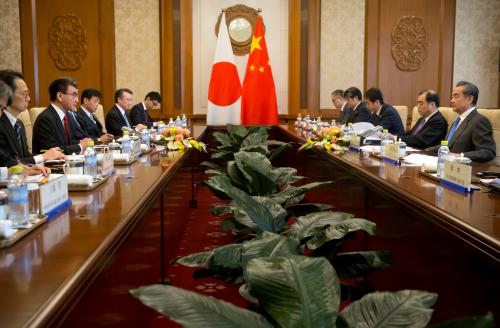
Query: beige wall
[[342, 46], [137, 45], [10, 42], [205, 14], [477, 42]]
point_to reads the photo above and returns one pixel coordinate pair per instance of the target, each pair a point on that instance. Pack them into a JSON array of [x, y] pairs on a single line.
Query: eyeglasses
[[24, 94], [74, 94]]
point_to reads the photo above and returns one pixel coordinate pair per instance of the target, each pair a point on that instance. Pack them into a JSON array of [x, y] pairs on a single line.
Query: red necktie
[[66, 129]]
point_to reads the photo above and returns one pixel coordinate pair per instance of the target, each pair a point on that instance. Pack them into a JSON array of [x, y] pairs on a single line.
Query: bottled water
[[184, 121], [334, 123], [443, 154], [90, 165], [385, 139], [171, 123], [126, 144], [18, 198], [178, 121], [347, 132], [145, 137], [298, 122]]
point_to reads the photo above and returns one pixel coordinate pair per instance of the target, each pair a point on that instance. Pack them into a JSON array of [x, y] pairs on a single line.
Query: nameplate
[[355, 141], [107, 164], [458, 174], [53, 194], [391, 153], [136, 148]]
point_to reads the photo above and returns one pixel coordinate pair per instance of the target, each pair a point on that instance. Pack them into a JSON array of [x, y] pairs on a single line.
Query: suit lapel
[[58, 124], [12, 135]]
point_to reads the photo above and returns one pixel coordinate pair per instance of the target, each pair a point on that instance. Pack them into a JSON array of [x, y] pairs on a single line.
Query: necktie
[[66, 129], [74, 118], [17, 127], [453, 129], [126, 120], [418, 127]]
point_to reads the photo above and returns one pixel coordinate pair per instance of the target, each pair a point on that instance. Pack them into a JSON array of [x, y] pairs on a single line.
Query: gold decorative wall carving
[[409, 43], [240, 20], [67, 42]]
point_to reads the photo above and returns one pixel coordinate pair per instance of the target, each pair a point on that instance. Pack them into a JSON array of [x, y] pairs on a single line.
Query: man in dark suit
[[340, 103], [354, 99], [431, 127], [14, 141], [139, 113], [7, 160], [52, 128], [383, 114], [470, 135], [90, 100], [118, 117]]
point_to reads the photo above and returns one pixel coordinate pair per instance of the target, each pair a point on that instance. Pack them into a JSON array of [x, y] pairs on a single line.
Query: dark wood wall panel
[[400, 87], [97, 67]]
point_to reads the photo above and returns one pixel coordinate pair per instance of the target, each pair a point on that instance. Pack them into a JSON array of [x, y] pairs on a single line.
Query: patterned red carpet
[[107, 302]]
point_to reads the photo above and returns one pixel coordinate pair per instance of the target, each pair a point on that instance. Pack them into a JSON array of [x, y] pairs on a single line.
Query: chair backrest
[[449, 115], [403, 113], [99, 113], [34, 112], [414, 116], [28, 127], [493, 115]]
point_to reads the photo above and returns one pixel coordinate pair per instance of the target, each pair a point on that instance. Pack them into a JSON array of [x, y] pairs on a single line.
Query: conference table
[[442, 240]]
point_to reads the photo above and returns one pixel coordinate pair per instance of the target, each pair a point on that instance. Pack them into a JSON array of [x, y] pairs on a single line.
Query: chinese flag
[[258, 97]]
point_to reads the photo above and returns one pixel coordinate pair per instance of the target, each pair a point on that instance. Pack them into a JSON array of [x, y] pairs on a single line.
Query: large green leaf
[[291, 193], [406, 308], [227, 256], [257, 171], [485, 321], [194, 310], [355, 264], [223, 138], [307, 208], [277, 151], [277, 212], [297, 291], [255, 139], [283, 175], [237, 133], [201, 259], [237, 178], [214, 184], [309, 224], [262, 149], [340, 230], [269, 245], [259, 214]]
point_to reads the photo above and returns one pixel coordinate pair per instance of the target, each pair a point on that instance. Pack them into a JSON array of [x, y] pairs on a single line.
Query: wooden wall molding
[[168, 107], [50, 52], [313, 57]]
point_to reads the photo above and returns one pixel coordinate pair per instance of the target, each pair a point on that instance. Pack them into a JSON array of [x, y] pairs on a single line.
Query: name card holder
[[136, 148], [457, 176], [107, 164], [354, 142], [54, 196], [391, 154]]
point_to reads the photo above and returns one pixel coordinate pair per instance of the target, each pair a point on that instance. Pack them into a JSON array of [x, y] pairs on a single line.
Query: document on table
[[429, 163]]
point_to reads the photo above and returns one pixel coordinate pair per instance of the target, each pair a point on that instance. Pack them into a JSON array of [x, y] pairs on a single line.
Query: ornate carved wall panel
[[409, 48], [409, 43], [67, 42]]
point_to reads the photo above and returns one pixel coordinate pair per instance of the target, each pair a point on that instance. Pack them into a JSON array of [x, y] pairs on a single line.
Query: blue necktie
[[453, 129]]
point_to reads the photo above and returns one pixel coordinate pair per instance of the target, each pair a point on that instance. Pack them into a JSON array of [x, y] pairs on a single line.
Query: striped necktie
[[17, 127], [453, 129]]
